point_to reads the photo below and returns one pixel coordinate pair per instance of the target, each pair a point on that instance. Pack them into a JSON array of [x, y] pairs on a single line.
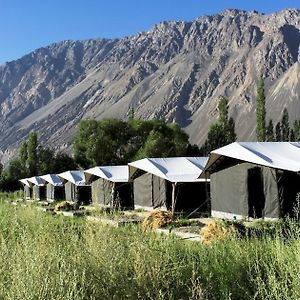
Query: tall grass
[[48, 257]]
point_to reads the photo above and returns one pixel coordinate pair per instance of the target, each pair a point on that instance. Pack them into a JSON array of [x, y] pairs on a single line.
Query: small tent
[[254, 180], [170, 183], [76, 188], [38, 187], [27, 189], [110, 186], [54, 187]]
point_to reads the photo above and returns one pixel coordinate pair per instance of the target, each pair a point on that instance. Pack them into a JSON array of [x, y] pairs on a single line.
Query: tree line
[[282, 131], [105, 142]]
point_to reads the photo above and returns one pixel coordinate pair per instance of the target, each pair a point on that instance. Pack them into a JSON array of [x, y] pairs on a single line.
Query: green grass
[[51, 257]]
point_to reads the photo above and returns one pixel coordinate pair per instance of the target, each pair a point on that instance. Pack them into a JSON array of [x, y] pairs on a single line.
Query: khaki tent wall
[[149, 192], [78, 194], [39, 192], [27, 192], [234, 195], [102, 192], [55, 193], [107, 193]]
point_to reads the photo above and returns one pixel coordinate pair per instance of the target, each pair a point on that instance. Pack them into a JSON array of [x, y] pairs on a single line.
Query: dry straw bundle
[[158, 218], [216, 231], [63, 206]]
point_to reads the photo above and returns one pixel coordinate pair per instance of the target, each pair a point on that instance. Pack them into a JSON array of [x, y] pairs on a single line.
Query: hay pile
[[217, 231], [157, 219], [64, 205]]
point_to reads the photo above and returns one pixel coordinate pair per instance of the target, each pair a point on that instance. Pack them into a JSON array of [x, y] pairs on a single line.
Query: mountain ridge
[[176, 70]]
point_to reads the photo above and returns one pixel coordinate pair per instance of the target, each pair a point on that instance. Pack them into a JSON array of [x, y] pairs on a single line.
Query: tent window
[[256, 196]]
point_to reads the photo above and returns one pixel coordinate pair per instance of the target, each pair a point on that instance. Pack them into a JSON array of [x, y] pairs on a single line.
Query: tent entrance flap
[[256, 196]]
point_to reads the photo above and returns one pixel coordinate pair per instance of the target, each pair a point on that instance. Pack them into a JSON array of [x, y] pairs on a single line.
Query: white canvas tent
[[27, 188], [254, 179], [76, 188], [110, 186], [54, 187], [111, 173], [38, 187], [158, 182]]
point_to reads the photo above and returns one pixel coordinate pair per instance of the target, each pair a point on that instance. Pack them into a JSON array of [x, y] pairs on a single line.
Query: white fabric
[[76, 177], [111, 173], [52, 179], [35, 180], [25, 182], [277, 155], [173, 169]]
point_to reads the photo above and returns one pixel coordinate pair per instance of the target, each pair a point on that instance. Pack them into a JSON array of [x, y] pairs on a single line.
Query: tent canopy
[[173, 169], [52, 179], [111, 173], [35, 180], [75, 177], [276, 155], [25, 182]]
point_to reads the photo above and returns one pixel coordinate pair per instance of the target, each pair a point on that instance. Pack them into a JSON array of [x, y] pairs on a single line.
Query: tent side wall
[[149, 192], [55, 193], [71, 192], [39, 192], [27, 192], [272, 207], [244, 190], [229, 192], [102, 192], [78, 194]]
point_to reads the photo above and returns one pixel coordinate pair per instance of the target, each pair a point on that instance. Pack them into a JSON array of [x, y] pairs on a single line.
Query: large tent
[[27, 188], [54, 187], [76, 188], [254, 180], [110, 186], [38, 187], [170, 183]]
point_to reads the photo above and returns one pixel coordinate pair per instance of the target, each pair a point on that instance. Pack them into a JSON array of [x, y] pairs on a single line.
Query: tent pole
[[173, 196], [113, 204]]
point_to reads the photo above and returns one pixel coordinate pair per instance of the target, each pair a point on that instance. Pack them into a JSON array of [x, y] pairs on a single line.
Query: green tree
[[296, 127], [285, 126], [260, 111], [270, 132], [222, 132], [32, 162], [278, 132], [114, 141]]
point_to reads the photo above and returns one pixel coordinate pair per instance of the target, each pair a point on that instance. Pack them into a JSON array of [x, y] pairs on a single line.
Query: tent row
[[237, 181], [171, 183]]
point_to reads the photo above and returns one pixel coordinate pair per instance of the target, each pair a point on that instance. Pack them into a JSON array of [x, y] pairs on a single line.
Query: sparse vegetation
[[51, 257]]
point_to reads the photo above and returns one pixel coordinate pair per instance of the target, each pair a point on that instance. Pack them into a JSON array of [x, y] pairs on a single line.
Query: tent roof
[[173, 169], [277, 155], [52, 179], [35, 180], [25, 181], [76, 177], [111, 173]]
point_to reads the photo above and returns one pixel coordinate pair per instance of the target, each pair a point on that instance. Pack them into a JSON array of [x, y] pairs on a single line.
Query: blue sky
[[26, 25]]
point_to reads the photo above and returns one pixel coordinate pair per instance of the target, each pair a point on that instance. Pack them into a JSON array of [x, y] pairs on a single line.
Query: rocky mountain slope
[[176, 71]]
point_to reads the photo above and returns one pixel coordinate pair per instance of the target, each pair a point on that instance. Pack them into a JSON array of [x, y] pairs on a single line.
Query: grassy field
[[51, 257]]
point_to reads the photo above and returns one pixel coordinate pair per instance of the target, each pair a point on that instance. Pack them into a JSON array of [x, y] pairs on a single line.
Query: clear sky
[[26, 25]]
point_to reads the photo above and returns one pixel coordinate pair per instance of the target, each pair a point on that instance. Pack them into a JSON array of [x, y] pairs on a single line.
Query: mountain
[[175, 71]]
